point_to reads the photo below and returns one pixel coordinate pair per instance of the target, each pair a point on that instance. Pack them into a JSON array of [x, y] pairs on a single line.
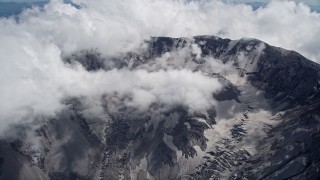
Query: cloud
[[35, 81], [99, 24], [34, 78]]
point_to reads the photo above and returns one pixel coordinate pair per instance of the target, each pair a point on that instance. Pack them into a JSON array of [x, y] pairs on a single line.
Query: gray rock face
[[265, 123]]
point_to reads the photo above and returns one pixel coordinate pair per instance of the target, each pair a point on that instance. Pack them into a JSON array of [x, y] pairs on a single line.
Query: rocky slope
[[264, 123]]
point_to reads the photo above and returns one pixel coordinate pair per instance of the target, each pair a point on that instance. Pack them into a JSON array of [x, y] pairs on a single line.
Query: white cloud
[[34, 79], [119, 25]]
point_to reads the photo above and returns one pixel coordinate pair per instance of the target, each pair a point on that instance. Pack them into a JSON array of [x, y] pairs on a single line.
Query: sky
[[309, 2], [313, 2], [34, 81]]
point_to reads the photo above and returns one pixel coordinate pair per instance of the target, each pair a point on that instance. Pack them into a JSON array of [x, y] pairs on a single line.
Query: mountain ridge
[[264, 122]]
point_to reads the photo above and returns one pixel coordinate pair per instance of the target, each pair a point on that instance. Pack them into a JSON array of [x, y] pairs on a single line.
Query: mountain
[[14, 8], [8, 9], [264, 124], [257, 5]]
